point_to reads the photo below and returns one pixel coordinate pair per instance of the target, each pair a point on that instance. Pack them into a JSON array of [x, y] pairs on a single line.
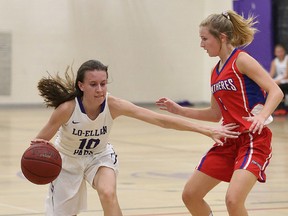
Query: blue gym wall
[[262, 46]]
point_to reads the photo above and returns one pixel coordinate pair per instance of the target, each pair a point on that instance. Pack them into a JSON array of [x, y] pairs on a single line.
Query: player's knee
[[188, 197], [185, 197], [233, 203], [107, 194]]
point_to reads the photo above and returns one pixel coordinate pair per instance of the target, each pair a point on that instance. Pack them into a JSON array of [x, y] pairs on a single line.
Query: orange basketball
[[41, 163]]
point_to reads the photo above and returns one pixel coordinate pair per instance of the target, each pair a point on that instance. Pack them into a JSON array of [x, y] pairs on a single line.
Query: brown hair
[[56, 90]]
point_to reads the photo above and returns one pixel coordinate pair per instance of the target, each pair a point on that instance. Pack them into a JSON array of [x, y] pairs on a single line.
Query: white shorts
[[68, 193]]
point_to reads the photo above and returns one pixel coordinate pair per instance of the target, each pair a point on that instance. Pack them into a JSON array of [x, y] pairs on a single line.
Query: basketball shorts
[[68, 193], [249, 151]]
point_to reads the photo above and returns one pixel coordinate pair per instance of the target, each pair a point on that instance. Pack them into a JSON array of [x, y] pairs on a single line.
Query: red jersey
[[236, 94]]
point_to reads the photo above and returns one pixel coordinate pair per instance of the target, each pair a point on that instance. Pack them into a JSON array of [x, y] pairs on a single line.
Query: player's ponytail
[[243, 30], [239, 31], [56, 90]]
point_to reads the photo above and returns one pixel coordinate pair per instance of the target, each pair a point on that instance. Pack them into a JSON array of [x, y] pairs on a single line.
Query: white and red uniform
[[238, 96]]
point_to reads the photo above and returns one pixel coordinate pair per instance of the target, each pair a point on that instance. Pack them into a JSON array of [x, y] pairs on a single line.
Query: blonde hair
[[239, 31]]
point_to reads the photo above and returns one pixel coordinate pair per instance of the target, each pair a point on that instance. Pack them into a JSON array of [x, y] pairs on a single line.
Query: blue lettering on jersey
[[82, 152]]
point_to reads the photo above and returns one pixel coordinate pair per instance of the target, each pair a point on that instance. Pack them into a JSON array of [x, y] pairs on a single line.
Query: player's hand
[[223, 132], [258, 123], [39, 141], [168, 105]]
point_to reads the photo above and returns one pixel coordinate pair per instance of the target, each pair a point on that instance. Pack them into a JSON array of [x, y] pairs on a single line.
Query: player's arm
[[211, 113], [59, 116], [120, 107], [250, 67]]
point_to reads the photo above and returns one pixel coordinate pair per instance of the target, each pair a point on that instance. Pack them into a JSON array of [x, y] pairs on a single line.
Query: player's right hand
[[225, 131], [39, 141], [168, 105]]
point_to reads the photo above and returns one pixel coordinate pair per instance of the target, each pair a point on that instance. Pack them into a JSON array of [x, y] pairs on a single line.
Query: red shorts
[[249, 151]]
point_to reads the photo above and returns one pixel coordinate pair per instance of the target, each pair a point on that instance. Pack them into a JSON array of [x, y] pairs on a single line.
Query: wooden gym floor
[[154, 166]]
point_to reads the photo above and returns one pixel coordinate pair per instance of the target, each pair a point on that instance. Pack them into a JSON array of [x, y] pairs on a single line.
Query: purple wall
[[262, 46]]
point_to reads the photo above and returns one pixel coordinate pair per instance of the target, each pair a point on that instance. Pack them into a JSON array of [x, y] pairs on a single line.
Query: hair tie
[[226, 15]]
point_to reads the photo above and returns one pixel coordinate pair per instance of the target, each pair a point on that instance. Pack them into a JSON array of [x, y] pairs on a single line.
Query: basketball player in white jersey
[[279, 72], [83, 117]]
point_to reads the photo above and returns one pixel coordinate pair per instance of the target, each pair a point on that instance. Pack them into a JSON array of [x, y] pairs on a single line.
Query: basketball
[[41, 163]]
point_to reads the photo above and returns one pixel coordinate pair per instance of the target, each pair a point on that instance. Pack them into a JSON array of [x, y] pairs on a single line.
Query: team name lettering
[[82, 152], [226, 85], [87, 133]]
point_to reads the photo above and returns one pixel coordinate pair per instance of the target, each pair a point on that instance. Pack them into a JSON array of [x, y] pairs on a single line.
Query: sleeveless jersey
[[81, 136], [236, 94]]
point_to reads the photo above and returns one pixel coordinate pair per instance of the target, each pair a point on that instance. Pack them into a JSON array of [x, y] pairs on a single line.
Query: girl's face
[[279, 52], [209, 42], [94, 86]]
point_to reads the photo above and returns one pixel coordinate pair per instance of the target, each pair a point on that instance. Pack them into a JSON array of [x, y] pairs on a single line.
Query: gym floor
[[154, 166]]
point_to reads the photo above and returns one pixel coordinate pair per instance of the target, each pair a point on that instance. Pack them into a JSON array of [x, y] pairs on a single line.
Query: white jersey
[[82, 136], [280, 68]]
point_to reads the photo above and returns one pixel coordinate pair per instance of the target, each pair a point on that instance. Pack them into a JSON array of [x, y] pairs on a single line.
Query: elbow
[[280, 93], [279, 96]]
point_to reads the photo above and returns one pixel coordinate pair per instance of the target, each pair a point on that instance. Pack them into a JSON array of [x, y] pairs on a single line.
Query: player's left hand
[[257, 123]]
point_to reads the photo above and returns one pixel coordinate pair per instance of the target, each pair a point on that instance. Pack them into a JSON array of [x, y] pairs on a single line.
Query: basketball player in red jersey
[[243, 92], [81, 123]]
